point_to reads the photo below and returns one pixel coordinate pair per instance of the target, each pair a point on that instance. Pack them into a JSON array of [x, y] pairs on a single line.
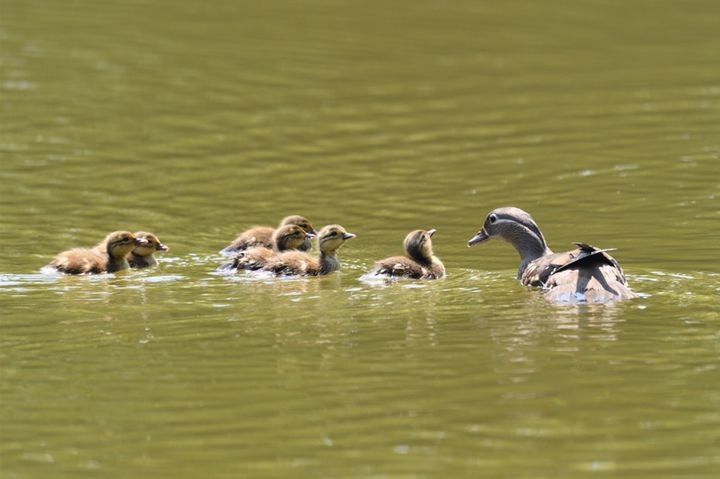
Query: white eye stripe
[[498, 220]]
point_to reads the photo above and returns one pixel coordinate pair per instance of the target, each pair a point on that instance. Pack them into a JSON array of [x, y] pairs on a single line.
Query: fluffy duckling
[[262, 235], [585, 274], [420, 263], [108, 256], [142, 255], [330, 239], [285, 238]]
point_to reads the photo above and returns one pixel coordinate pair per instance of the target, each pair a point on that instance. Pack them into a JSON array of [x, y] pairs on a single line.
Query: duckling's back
[[255, 236], [399, 267], [294, 263], [80, 261], [252, 259]]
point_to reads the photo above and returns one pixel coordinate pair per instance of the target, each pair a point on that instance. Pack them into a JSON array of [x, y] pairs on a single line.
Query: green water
[[195, 120]]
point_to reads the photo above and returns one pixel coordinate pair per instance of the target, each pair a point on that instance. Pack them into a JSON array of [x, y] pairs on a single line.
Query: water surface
[[196, 121]]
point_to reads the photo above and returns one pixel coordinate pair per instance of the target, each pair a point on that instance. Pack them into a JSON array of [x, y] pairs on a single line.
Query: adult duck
[[584, 274]]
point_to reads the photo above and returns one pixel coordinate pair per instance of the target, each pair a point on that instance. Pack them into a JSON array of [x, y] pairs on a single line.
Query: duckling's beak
[[310, 235], [141, 242], [431, 232], [347, 236], [312, 232], [478, 238], [162, 247]]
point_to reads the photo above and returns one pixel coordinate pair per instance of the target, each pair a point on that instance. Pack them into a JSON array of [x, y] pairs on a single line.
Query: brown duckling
[[330, 239], [262, 235], [142, 255], [285, 238], [585, 274], [420, 263], [108, 256]]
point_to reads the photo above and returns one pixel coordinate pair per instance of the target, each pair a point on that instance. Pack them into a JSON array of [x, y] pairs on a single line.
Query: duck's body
[[585, 274], [142, 255], [108, 256], [420, 262], [285, 238], [263, 236], [298, 263]]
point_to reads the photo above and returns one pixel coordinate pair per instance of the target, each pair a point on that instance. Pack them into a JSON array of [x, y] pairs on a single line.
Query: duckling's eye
[[492, 218]]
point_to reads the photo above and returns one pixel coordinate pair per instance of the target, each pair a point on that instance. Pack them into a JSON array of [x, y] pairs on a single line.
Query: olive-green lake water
[[196, 120]]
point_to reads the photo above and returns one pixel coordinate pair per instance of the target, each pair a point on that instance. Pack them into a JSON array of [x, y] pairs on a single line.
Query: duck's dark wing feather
[[586, 273]]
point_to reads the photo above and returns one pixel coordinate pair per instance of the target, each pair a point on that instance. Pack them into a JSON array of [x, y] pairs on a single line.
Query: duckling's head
[[418, 244], [290, 237], [147, 244], [120, 243], [332, 237], [300, 221], [509, 224]]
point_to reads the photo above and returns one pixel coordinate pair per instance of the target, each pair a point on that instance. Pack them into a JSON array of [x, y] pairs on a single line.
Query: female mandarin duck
[[285, 238], [108, 256], [142, 255], [420, 262], [330, 239], [262, 235], [585, 274]]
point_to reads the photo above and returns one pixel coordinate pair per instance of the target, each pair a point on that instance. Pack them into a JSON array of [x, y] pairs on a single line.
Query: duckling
[[420, 263], [142, 255], [262, 235], [330, 239], [108, 256], [585, 274], [285, 238]]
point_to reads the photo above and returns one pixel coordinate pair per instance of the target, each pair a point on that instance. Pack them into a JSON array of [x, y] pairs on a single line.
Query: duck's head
[[147, 244], [418, 244], [512, 225], [332, 237], [291, 237], [120, 243], [300, 221]]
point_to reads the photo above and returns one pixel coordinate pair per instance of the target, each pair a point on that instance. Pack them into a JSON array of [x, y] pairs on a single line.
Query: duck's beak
[[431, 232], [141, 242], [310, 235], [478, 238], [312, 232], [162, 247], [347, 236]]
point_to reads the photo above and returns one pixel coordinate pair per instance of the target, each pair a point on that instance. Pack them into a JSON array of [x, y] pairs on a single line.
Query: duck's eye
[[492, 218]]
